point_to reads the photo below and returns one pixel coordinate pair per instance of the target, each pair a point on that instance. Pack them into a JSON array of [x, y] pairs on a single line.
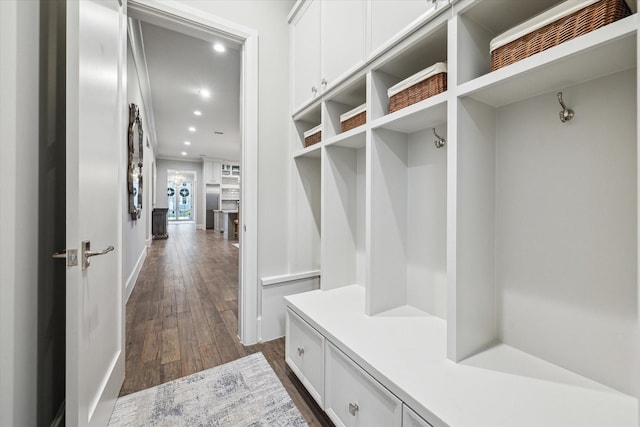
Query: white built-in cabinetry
[[305, 355], [212, 172], [332, 39], [328, 40], [493, 281], [226, 174], [230, 187], [305, 31]]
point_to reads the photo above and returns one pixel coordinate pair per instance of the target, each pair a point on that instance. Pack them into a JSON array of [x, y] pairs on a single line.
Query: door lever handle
[[102, 252], [87, 253]]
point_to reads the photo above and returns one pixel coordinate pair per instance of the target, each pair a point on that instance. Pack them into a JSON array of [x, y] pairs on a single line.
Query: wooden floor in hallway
[[182, 315]]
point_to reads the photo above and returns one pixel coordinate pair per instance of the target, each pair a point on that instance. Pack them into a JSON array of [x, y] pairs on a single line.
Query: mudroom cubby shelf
[[479, 255], [425, 51], [304, 121], [425, 114], [478, 22], [305, 219], [311, 151], [354, 138], [599, 53], [344, 99], [407, 235], [343, 216], [554, 268]]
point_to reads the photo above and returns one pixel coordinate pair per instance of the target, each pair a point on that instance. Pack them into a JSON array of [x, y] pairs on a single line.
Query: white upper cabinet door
[[217, 172], [343, 38], [391, 17], [208, 172], [306, 53]]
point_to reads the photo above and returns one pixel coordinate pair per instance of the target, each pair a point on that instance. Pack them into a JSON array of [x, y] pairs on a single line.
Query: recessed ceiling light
[[204, 93], [218, 47], [187, 143], [197, 112], [184, 153], [191, 129]]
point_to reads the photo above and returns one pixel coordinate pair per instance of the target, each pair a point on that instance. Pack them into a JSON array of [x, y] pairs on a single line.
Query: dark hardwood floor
[[182, 317]]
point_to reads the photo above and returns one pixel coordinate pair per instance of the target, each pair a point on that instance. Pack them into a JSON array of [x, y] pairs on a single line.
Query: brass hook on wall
[[566, 114]]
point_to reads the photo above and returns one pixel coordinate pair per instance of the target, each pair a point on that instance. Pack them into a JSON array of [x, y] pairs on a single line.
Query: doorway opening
[[182, 19], [181, 195]]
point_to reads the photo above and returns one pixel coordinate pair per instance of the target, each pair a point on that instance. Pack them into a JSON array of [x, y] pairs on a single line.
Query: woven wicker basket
[[582, 21], [313, 136], [354, 118], [434, 82]]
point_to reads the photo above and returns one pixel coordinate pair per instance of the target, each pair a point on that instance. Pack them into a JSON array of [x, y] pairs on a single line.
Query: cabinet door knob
[[300, 351], [324, 82], [353, 408], [314, 90]]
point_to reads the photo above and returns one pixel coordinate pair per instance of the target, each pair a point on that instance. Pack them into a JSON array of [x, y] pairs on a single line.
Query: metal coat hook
[[566, 114], [439, 142]]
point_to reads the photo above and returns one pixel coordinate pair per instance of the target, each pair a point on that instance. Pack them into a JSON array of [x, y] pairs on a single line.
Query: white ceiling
[[179, 66]]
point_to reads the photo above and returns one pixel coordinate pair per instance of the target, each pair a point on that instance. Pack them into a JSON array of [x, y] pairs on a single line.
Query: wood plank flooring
[[182, 317]]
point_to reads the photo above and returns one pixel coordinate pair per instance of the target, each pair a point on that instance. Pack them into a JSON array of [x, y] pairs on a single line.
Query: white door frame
[[183, 18]]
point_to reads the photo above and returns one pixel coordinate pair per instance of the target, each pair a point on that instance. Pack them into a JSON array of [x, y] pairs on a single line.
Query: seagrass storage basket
[[353, 118], [420, 86], [557, 25], [313, 136]]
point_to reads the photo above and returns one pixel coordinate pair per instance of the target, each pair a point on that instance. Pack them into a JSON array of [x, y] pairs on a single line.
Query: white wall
[[269, 18], [19, 44], [136, 234]]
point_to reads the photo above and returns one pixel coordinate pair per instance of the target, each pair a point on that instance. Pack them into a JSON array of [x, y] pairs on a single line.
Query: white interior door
[[96, 140]]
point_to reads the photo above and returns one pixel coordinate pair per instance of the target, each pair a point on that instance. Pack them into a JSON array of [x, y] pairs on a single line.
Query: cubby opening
[[423, 53], [342, 101], [408, 223], [343, 229], [483, 21], [306, 221], [547, 224], [304, 121]]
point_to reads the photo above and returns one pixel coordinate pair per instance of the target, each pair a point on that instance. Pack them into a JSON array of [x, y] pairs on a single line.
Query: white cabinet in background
[[304, 348], [305, 34], [353, 398], [342, 38], [328, 41], [212, 172], [391, 17]]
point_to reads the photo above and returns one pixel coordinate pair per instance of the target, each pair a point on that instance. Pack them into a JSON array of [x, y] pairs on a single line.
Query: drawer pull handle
[[300, 351], [353, 408]]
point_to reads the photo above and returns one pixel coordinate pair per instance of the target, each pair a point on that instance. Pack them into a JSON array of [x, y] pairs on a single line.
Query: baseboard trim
[[284, 278], [133, 277], [200, 227], [148, 241]]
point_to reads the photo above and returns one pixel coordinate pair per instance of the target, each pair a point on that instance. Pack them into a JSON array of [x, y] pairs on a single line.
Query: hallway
[[182, 316]]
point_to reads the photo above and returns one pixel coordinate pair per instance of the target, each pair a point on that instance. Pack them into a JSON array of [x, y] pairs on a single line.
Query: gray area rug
[[245, 392]]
